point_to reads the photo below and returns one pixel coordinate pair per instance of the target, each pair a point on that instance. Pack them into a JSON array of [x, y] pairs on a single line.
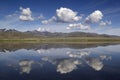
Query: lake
[[59, 62]]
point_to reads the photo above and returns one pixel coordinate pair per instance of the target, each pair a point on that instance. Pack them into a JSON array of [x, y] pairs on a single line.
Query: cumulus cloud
[[94, 17], [104, 23], [65, 15], [78, 26], [26, 66], [26, 14], [67, 65]]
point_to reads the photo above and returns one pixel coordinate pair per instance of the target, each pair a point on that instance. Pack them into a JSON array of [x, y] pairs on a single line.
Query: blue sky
[[99, 16]]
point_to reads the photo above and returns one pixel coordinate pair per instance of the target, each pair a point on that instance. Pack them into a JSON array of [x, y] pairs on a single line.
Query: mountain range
[[12, 33]]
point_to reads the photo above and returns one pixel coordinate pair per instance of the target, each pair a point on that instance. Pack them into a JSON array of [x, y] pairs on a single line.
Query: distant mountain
[[12, 33]]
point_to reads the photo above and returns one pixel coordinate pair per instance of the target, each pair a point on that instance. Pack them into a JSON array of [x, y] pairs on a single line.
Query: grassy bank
[[63, 40]]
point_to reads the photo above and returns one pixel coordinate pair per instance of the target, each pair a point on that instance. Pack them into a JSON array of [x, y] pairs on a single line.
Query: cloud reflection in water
[[64, 65], [26, 66], [95, 62], [67, 65]]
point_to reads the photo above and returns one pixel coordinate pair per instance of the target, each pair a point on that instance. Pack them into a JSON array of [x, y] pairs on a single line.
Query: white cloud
[[43, 29], [14, 15], [78, 26], [67, 15], [53, 19], [94, 17], [102, 23], [25, 18], [26, 14]]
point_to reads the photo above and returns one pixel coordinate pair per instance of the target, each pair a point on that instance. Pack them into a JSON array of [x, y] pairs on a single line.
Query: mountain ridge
[[12, 33]]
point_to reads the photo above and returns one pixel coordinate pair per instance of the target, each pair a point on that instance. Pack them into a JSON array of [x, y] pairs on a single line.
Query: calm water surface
[[48, 62]]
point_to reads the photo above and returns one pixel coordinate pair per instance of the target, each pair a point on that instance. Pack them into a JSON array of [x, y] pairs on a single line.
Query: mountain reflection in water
[[60, 61]]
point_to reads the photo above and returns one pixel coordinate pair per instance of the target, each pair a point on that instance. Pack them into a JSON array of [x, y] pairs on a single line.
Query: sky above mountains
[[98, 16]]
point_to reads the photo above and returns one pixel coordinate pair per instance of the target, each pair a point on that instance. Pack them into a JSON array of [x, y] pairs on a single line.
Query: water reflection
[[78, 54], [42, 50], [94, 62], [61, 60], [73, 61], [8, 47], [26, 66], [64, 65], [69, 64]]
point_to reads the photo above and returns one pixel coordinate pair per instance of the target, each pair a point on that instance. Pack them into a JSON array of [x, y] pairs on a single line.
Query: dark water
[[59, 62]]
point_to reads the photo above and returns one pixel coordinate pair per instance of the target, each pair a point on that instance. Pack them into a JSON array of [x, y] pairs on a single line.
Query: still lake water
[[59, 62]]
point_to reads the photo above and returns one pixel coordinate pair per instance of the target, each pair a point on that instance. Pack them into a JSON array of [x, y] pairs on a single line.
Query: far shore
[[68, 40]]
